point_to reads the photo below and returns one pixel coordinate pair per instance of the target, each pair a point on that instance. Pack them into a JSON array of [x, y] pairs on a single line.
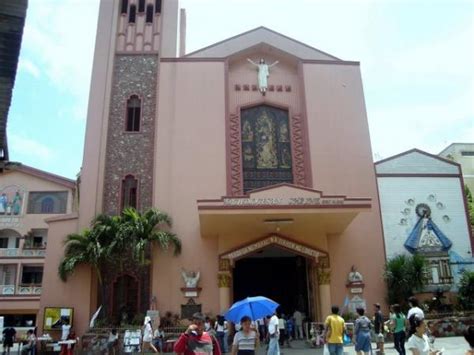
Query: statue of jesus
[[263, 73], [190, 278], [354, 276]]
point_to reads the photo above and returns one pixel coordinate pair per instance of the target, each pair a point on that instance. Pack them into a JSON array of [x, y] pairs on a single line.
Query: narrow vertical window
[[124, 7], [149, 13], [133, 114], [129, 192], [158, 6], [133, 14], [141, 6]]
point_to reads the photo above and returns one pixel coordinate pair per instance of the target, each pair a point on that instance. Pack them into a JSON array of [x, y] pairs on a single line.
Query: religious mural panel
[[12, 199], [266, 147]]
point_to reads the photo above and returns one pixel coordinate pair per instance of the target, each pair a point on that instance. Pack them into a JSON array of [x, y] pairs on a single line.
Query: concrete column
[[224, 279], [18, 277], [224, 297], [324, 281]]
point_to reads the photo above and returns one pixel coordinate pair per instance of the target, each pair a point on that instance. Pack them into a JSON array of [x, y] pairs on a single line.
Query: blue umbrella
[[253, 307]]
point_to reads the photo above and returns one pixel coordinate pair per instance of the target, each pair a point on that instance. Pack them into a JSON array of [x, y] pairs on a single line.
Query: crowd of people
[[410, 333], [289, 329], [29, 343], [205, 336]]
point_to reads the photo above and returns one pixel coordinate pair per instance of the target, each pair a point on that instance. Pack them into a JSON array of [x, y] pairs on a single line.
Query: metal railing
[[9, 252], [20, 290], [7, 289], [29, 289], [24, 252], [9, 220], [442, 280]]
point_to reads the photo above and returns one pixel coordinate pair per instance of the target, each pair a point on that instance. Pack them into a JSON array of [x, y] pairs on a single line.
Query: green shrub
[[404, 275], [466, 290]]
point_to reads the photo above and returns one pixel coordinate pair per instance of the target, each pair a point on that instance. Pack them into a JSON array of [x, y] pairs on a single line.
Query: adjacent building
[[257, 146], [28, 196], [424, 211], [463, 154]]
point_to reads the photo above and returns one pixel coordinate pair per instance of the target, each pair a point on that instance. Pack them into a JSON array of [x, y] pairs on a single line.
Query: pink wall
[[190, 165], [98, 110], [284, 73], [191, 161], [73, 293], [341, 160]]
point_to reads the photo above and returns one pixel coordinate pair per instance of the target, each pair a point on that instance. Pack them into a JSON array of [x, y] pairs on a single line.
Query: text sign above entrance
[[293, 201], [273, 240]]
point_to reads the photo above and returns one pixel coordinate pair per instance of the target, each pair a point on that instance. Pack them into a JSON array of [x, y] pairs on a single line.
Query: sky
[[417, 63]]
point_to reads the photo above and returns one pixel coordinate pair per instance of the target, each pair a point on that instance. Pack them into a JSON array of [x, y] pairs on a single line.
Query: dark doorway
[[275, 274], [125, 298]]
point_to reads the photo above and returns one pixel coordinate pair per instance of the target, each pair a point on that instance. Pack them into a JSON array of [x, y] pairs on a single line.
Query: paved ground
[[452, 346]]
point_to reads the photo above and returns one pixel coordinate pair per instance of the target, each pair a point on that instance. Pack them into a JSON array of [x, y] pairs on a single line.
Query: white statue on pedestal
[[263, 73], [190, 278], [354, 275]]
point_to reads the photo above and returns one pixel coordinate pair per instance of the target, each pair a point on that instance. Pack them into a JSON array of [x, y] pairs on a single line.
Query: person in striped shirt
[[246, 340]]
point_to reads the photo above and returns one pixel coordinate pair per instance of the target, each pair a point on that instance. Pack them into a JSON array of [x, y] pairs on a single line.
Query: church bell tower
[[132, 36]]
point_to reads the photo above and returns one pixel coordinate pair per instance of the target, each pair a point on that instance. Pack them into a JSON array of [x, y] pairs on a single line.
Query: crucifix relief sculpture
[[190, 278], [263, 73]]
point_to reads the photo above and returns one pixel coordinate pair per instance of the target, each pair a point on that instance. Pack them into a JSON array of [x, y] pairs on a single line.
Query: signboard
[[273, 240], [357, 302], [54, 317], [131, 341], [187, 310], [293, 201]]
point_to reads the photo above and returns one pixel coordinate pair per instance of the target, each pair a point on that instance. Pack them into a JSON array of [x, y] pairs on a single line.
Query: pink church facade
[[280, 183]]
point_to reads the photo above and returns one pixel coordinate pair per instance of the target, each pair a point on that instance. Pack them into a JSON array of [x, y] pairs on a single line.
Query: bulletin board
[[55, 316]]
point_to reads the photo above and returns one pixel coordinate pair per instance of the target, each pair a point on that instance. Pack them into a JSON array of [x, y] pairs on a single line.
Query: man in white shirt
[[298, 317], [281, 329], [414, 309], [65, 328], [274, 334]]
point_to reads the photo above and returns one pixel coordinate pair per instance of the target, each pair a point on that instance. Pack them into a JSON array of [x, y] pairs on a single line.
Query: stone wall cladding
[[131, 153]]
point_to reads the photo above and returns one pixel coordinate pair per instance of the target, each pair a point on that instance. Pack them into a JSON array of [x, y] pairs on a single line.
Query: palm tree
[[84, 249], [143, 230], [113, 239]]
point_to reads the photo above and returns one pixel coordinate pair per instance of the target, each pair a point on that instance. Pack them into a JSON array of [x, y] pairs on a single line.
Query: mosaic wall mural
[[423, 222], [266, 147]]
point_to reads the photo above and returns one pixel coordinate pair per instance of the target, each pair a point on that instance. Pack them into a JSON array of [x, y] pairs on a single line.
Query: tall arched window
[[47, 205], [158, 6], [141, 6], [133, 14], [129, 192], [133, 114], [149, 13], [124, 7]]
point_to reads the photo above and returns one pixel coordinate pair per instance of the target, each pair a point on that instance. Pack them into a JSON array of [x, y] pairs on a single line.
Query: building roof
[[415, 162], [69, 183], [453, 145], [257, 36], [12, 21]]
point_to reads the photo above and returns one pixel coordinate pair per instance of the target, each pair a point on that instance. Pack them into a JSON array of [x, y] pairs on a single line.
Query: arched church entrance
[[278, 274], [280, 268]]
